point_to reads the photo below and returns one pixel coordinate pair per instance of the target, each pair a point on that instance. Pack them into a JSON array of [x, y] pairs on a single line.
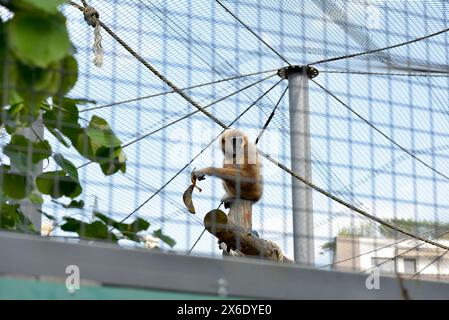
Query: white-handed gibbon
[[241, 172]]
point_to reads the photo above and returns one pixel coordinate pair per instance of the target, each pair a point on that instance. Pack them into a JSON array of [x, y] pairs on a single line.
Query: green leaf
[[74, 204], [58, 136], [8, 216], [15, 109], [3, 47], [97, 230], [136, 226], [48, 6], [71, 225], [63, 117], [58, 184], [94, 230], [72, 101], [111, 222], [2, 42], [20, 115], [68, 75], [11, 218], [8, 94], [131, 236], [158, 234], [67, 166], [83, 145], [100, 133], [13, 184], [131, 231], [111, 160], [21, 150], [35, 84], [38, 40], [139, 225], [128, 230]]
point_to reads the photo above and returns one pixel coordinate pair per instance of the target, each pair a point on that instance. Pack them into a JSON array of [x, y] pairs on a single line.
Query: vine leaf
[[58, 136], [57, 184], [127, 230], [101, 134], [170, 241], [19, 115], [23, 152], [68, 75], [63, 118], [111, 160], [15, 185], [38, 40], [105, 146], [35, 84], [74, 204], [93, 230], [12, 218], [67, 166], [111, 222], [3, 45], [48, 6]]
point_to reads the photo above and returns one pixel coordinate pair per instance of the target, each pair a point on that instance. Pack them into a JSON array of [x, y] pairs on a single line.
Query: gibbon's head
[[233, 142]]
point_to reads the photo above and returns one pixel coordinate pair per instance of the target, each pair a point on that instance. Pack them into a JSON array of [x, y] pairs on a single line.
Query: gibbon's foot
[[223, 246], [227, 202]]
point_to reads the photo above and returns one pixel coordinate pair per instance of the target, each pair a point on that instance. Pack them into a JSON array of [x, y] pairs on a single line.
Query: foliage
[[37, 71], [329, 246], [12, 219], [158, 234], [107, 228]]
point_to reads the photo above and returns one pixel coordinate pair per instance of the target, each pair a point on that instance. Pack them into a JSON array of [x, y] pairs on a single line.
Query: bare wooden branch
[[241, 213], [238, 239]]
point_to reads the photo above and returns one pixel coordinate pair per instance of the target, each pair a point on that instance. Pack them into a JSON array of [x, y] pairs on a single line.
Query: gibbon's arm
[[230, 174]]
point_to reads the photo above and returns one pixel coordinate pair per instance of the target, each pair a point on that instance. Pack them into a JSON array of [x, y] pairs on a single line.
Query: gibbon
[[241, 172]]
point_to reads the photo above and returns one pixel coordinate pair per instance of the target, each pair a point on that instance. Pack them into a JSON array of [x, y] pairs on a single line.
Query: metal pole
[[302, 202]]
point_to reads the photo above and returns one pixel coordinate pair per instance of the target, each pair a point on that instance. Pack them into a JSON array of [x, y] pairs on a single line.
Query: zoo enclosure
[[391, 165]]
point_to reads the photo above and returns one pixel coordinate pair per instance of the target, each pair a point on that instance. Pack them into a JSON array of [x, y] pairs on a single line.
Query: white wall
[[424, 254]]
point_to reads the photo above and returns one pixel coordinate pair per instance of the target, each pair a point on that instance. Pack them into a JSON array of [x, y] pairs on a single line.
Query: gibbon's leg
[[229, 174], [229, 195]]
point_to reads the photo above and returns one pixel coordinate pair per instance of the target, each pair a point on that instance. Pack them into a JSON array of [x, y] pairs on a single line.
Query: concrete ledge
[[108, 264]]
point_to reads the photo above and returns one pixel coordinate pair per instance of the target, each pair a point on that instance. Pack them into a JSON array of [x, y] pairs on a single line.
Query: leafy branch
[[37, 71]]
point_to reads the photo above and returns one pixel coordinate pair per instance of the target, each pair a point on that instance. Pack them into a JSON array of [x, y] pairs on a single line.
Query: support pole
[[29, 209], [302, 202]]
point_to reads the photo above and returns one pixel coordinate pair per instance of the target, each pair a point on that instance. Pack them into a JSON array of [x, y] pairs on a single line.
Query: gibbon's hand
[[200, 174]]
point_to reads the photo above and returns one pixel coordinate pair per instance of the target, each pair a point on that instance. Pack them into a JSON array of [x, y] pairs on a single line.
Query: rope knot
[[91, 15]]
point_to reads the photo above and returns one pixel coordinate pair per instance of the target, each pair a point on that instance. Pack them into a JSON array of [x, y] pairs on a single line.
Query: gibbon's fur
[[241, 172]]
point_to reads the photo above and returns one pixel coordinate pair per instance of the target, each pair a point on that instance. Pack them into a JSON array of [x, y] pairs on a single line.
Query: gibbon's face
[[233, 142]]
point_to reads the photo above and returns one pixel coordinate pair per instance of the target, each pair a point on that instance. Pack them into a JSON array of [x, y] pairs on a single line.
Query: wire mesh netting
[[378, 122]]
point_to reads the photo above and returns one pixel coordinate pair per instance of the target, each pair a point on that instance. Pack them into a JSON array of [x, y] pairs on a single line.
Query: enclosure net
[[378, 121]]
